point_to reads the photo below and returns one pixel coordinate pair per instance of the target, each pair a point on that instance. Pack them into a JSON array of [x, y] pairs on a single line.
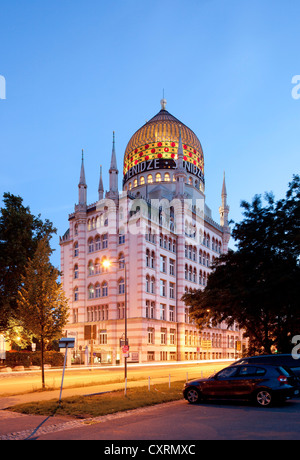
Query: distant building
[[160, 237]]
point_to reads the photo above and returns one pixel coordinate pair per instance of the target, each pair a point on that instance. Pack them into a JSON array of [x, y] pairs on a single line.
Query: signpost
[[65, 343]]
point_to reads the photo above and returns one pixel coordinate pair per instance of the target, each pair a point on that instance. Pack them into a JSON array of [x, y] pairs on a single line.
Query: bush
[[29, 358]]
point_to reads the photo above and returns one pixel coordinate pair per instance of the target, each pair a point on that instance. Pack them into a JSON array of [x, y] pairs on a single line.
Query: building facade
[[160, 240]]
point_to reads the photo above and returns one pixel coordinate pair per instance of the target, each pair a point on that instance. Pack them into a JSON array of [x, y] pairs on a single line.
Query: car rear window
[[284, 371]]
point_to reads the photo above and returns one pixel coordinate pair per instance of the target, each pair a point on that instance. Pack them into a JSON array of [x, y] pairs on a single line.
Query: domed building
[[127, 259]]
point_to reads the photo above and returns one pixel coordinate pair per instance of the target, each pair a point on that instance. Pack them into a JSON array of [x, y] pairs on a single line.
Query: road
[[20, 383], [178, 421]]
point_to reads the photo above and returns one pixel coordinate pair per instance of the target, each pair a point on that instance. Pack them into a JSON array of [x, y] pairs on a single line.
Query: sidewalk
[[15, 426]]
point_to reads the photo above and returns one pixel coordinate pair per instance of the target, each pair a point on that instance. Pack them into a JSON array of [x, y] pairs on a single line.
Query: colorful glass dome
[[158, 140]]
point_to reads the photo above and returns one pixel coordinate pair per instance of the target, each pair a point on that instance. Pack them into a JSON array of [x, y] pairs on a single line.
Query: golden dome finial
[[163, 103]]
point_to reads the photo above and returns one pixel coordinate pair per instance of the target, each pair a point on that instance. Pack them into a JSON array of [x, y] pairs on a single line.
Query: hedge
[[30, 358]]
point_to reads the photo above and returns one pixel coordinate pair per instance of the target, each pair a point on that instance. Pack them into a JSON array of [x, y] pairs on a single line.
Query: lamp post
[[106, 264]]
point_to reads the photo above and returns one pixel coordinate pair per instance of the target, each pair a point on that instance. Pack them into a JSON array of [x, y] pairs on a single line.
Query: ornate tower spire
[[113, 173], [100, 188], [224, 211], [82, 184]]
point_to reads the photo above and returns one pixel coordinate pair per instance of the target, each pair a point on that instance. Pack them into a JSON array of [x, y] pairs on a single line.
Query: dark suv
[[261, 384], [285, 360]]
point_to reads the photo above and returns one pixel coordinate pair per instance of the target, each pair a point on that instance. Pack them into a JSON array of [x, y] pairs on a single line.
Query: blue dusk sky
[[77, 70]]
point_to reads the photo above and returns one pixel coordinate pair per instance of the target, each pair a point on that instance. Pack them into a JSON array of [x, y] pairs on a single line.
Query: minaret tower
[[100, 189], [113, 174], [82, 187], [224, 211]]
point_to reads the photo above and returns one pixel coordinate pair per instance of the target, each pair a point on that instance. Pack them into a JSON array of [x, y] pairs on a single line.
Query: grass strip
[[106, 403]]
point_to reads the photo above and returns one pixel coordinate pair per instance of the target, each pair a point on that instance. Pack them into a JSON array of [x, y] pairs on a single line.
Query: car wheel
[[263, 398], [193, 396]]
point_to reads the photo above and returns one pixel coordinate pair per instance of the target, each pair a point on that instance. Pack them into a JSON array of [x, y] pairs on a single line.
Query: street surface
[[179, 421]]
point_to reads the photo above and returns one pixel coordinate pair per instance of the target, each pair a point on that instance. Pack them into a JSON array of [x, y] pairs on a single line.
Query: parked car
[[262, 384], [285, 360]]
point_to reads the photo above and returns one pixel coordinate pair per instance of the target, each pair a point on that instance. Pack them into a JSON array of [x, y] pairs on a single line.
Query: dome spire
[[163, 103]]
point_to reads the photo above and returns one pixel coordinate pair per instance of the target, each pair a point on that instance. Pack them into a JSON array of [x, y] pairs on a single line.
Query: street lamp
[[107, 264]]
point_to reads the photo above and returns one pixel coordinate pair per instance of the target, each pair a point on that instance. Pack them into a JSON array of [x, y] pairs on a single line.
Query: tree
[[42, 305], [258, 285], [20, 232]]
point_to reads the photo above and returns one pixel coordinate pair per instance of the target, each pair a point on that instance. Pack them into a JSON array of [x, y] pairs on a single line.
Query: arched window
[[75, 271], [91, 291], [104, 289], [158, 177], [121, 260], [147, 283], [76, 294], [91, 268], [91, 245], [167, 177], [149, 179], [97, 290], [142, 180], [121, 286], [152, 285], [97, 243], [76, 249], [135, 182]]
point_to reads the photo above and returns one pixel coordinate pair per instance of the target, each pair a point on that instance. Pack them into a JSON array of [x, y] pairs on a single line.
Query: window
[[167, 177], [91, 292], [172, 314], [150, 335], [142, 180], [91, 245], [152, 259], [76, 249], [163, 288], [150, 179], [121, 238], [104, 289], [121, 286], [97, 243], [172, 336], [172, 290], [152, 285], [172, 267], [121, 311], [97, 290], [158, 177], [121, 261], [162, 314], [91, 268], [163, 336], [76, 272], [163, 264], [150, 307], [103, 337], [147, 283], [104, 241], [76, 295]]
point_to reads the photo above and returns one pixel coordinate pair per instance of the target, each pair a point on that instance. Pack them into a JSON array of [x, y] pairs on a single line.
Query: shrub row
[[30, 358]]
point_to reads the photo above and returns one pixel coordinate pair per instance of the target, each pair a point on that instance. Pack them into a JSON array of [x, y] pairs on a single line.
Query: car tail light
[[282, 379]]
